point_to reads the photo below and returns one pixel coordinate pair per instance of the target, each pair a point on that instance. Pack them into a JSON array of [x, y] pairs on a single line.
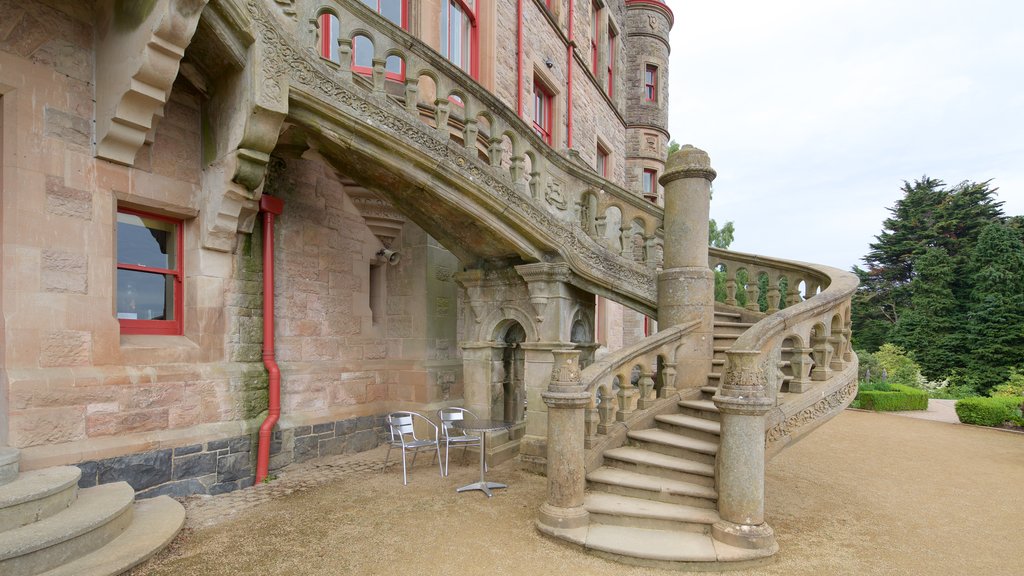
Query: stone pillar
[[686, 286], [566, 400], [743, 400]]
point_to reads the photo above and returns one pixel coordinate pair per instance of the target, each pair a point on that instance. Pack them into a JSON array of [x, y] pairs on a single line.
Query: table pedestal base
[[482, 486]]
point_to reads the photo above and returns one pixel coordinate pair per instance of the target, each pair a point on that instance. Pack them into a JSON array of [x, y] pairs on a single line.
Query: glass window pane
[[144, 296], [392, 10], [393, 65], [363, 52], [455, 36], [444, 32], [146, 241]]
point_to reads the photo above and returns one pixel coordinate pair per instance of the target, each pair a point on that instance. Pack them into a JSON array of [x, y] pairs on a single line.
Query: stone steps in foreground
[[617, 510], [697, 428], [672, 444], [643, 461], [670, 549], [36, 495], [637, 485], [705, 409], [98, 516], [156, 522]]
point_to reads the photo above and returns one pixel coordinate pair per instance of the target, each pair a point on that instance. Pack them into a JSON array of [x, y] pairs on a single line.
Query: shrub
[[899, 365], [990, 411], [1014, 387], [869, 368], [897, 397]]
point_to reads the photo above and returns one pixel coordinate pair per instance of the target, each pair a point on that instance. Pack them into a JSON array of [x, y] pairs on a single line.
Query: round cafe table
[[481, 426]]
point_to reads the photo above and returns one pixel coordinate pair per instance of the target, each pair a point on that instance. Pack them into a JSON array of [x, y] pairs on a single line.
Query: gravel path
[[865, 494]]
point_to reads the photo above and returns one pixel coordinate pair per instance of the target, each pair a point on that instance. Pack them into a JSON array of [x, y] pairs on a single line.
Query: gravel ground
[[865, 494]]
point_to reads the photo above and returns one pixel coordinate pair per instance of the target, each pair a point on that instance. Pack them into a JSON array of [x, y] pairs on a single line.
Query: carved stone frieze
[[819, 409]]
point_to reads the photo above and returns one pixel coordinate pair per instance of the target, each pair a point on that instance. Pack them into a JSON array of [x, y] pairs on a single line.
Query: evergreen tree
[[995, 316], [930, 325]]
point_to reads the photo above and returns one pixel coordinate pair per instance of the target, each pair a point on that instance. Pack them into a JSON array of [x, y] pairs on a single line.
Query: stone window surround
[[651, 86], [547, 85], [603, 150], [470, 45]]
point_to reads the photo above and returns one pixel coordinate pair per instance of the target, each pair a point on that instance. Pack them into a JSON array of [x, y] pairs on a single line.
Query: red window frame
[[611, 61], [473, 45], [594, 35], [602, 161], [650, 184], [161, 327], [368, 70], [542, 111], [329, 39], [651, 83]]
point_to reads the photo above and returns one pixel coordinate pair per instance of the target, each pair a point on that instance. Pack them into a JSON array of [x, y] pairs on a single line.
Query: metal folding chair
[[401, 427], [453, 436]]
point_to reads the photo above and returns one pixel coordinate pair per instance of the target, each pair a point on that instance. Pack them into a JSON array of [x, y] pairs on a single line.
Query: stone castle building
[[237, 233]]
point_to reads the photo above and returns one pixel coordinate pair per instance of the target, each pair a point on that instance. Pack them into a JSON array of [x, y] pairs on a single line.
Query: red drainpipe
[[519, 57], [568, 66], [269, 207]]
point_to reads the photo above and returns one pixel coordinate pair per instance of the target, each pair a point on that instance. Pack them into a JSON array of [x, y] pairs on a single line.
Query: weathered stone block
[[322, 428], [306, 448], [141, 471], [65, 201], [186, 450], [240, 444], [65, 348], [233, 467], [72, 129], [195, 465], [64, 272], [90, 474]]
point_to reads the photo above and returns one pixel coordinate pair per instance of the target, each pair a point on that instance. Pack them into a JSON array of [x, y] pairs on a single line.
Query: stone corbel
[[543, 280], [472, 281], [137, 59], [247, 121]]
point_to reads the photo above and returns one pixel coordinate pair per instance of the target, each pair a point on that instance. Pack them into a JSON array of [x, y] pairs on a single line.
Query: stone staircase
[[653, 501], [50, 527]]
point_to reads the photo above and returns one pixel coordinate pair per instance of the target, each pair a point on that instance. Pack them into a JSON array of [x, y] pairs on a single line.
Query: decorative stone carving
[[827, 405], [554, 195], [136, 64]]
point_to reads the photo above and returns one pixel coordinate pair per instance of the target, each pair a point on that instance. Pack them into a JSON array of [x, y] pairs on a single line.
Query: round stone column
[[566, 471], [743, 401], [686, 287]]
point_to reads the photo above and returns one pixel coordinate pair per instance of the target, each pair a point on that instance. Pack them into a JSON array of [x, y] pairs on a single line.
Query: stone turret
[[648, 23]]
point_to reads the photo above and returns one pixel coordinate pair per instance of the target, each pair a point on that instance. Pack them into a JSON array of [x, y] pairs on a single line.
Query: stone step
[[691, 426], [672, 444], [728, 316], [645, 486], [36, 495], [648, 544], [718, 361], [714, 377], [731, 327], [9, 458], [671, 549], [705, 409], [98, 516], [709, 391], [155, 523], [615, 510], [642, 461]]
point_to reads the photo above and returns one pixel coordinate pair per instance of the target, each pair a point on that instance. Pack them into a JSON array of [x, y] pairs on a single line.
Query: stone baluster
[[627, 397], [535, 189], [606, 410], [345, 60], [793, 292], [651, 251], [469, 135], [800, 364], [847, 334], [730, 288], [566, 399], [838, 344], [822, 357], [442, 109], [412, 95], [591, 420], [515, 170], [379, 74], [646, 386], [745, 396], [669, 380], [753, 289], [625, 239], [774, 294]]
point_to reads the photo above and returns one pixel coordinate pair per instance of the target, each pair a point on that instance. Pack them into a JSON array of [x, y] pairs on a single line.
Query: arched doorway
[[510, 402]]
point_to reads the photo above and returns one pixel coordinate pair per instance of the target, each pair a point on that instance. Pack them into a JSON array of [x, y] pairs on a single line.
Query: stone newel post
[[566, 399], [743, 400], [686, 286]]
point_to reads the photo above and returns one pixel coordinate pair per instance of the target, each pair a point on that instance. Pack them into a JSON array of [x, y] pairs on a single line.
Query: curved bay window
[[459, 34], [149, 273], [397, 11]]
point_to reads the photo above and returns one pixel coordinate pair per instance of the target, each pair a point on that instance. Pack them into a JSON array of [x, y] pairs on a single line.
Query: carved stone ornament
[[554, 195], [819, 409], [566, 369], [287, 8]]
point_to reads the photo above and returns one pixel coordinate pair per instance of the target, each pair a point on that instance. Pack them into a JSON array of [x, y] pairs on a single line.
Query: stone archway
[[513, 367]]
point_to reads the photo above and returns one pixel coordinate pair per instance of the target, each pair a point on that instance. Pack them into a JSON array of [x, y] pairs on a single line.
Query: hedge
[[990, 411], [899, 397]]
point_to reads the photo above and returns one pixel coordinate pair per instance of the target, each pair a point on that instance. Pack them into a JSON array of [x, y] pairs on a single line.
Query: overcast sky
[[814, 113]]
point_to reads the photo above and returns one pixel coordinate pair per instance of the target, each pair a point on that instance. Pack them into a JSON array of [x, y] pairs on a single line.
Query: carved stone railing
[[627, 384], [548, 202]]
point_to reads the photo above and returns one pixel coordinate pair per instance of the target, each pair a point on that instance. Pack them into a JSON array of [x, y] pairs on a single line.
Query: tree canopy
[[944, 280]]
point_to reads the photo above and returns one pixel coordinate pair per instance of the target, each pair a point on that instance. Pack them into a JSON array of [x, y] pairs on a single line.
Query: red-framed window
[[650, 184], [542, 111], [602, 161], [329, 25], [651, 83], [397, 11], [150, 281], [459, 36], [611, 61], [595, 35]]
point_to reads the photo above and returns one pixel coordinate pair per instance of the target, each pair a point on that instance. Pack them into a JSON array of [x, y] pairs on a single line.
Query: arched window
[[329, 36], [397, 11]]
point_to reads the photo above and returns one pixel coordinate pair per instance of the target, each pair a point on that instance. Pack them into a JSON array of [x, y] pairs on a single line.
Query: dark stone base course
[[229, 464]]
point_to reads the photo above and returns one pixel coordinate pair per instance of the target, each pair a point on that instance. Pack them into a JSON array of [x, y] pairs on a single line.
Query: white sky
[[815, 112]]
